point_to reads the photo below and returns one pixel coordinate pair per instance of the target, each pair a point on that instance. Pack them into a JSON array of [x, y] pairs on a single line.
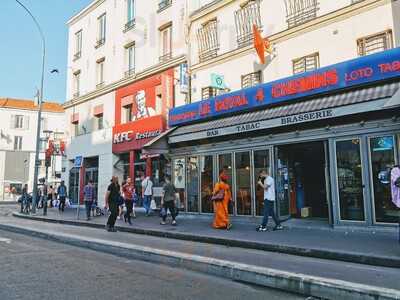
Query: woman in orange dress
[[221, 215]]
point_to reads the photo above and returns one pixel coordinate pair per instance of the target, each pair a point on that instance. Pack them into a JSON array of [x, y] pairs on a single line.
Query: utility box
[[306, 212]]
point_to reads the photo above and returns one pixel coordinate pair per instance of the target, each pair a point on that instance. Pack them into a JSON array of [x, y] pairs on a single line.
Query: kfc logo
[[142, 111], [122, 137]]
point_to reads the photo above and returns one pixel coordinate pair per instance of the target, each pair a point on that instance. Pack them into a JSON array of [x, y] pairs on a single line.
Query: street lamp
[[39, 117]]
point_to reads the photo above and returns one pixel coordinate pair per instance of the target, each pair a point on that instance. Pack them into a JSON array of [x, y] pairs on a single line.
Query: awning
[[330, 106], [158, 145]]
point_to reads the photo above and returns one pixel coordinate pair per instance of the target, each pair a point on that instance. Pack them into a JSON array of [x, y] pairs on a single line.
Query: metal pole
[[45, 196], [39, 116]]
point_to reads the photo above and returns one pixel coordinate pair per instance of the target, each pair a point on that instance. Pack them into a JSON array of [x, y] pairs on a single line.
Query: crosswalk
[[5, 240]]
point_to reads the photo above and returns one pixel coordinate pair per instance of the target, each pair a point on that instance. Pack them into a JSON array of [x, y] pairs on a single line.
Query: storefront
[[328, 137], [140, 117]]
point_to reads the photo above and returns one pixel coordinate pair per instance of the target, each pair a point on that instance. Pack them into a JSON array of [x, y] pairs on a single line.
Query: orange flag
[[261, 45]]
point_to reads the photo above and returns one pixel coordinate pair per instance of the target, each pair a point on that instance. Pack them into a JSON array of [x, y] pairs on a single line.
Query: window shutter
[[12, 124], [26, 122]]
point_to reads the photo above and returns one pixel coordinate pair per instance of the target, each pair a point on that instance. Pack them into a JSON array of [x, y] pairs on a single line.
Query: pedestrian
[[62, 195], [88, 198], [128, 190], [395, 188], [50, 195], [267, 183], [111, 200], [24, 199], [221, 198], [147, 193], [168, 201]]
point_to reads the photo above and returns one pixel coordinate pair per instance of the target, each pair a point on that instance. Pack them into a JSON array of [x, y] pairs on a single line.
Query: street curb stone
[[353, 257], [266, 277]]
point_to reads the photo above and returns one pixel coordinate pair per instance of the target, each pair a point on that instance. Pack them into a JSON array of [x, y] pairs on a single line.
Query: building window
[[306, 63], [43, 123], [77, 83], [251, 79], [300, 11], [43, 145], [99, 122], [130, 20], [17, 122], [245, 18], [17, 142], [208, 92], [101, 39], [76, 128], [207, 38], [100, 73], [127, 112], [130, 60], [375, 43], [78, 45], [163, 4], [166, 42]]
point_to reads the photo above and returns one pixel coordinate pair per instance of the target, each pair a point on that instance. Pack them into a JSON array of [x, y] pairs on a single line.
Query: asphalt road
[[37, 269]]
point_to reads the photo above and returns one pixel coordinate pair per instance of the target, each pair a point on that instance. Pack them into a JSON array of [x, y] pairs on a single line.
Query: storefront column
[[132, 165], [82, 172], [148, 166]]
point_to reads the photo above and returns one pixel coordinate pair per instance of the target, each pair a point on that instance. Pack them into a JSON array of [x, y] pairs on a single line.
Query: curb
[[7, 202], [266, 277], [373, 260]]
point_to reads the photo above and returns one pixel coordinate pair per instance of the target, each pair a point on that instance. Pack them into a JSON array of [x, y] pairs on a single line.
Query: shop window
[[207, 40], [225, 163], [375, 43], [207, 183], [306, 63], [243, 183], [245, 18], [192, 184], [300, 11], [165, 42], [382, 161], [179, 181], [261, 163], [350, 183], [251, 79]]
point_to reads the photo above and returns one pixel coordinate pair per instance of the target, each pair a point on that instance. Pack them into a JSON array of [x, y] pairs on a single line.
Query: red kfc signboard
[[134, 135]]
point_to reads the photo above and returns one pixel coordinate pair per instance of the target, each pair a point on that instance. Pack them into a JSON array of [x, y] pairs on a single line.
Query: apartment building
[[18, 127], [320, 113], [126, 69]]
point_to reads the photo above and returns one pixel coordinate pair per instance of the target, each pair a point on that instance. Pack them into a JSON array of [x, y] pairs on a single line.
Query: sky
[[21, 48]]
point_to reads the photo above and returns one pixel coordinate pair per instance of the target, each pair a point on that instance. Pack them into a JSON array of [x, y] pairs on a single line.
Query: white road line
[[4, 240]]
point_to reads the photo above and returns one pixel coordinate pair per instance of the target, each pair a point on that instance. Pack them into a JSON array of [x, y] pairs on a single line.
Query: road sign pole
[[78, 164]]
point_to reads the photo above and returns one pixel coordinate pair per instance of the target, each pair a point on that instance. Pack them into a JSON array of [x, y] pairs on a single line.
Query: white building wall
[[335, 40]]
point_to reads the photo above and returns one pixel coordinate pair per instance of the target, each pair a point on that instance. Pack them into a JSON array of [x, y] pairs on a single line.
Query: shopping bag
[[153, 204]]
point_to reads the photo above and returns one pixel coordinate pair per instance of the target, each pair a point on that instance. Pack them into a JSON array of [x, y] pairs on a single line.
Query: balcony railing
[[100, 85], [130, 73], [129, 25], [164, 4], [165, 57], [208, 41], [300, 11], [77, 55], [100, 42], [244, 20]]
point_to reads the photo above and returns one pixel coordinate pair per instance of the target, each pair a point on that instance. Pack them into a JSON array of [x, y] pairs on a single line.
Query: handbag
[[219, 196]]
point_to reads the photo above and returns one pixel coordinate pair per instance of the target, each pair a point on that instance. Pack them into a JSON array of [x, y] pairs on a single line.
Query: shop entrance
[[301, 180]]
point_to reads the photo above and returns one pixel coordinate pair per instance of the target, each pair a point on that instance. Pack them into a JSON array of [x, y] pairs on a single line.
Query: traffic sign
[[78, 161]]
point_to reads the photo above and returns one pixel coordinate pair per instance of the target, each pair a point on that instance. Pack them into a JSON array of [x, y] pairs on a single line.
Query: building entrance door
[[301, 184], [93, 174]]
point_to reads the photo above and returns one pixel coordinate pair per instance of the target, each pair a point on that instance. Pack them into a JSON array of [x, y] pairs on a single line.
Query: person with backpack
[[88, 198], [62, 195], [111, 199], [221, 198], [128, 190], [168, 201], [395, 188]]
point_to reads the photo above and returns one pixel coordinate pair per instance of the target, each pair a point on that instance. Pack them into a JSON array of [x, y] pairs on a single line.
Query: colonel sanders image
[[141, 110]]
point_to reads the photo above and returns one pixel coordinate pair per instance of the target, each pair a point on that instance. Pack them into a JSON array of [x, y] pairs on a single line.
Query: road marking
[[4, 240]]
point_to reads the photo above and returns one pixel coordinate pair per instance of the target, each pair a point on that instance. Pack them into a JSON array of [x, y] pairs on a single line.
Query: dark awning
[[158, 145], [367, 99]]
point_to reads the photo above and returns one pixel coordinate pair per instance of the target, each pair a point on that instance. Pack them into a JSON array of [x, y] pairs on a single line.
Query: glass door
[[261, 162], [207, 183], [282, 182], [92, 174], [382, 160], [73, 185], [349, 169], [225, 163], [192, 175], [243, 183]]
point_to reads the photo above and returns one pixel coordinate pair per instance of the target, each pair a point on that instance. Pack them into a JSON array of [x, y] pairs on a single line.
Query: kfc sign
[[127, 136], [122, 137]]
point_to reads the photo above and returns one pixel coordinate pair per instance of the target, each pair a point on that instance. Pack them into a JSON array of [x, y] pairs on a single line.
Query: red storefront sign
[[134, 135]]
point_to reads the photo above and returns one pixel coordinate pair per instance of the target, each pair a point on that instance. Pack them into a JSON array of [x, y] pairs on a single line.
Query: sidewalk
[[314, 240], [301, 275]]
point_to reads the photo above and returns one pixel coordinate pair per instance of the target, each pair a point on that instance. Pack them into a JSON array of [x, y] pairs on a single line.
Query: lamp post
[[46, 181], [39, 115]]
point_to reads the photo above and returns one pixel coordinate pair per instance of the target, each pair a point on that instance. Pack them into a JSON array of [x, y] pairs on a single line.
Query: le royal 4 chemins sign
[[359, 71]]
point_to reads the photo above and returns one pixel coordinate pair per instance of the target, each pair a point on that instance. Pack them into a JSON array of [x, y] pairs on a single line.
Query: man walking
[[268, 184], [62, 195], [147, 193], [88, 198], [128, 190], [168, 200], [111, 200]]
